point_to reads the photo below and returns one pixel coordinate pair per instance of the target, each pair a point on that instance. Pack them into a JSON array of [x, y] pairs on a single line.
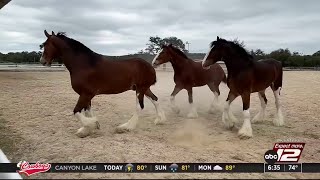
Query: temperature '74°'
[[293, 167]]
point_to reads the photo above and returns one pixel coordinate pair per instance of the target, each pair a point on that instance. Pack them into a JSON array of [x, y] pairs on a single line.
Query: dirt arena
[[37, 125]]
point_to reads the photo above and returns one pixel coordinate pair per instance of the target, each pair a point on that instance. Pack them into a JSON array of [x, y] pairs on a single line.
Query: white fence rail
[[30, 67]]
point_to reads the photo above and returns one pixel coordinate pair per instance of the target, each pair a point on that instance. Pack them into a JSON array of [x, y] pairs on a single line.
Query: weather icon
[[173, 167], [217, 168], [129, 168]]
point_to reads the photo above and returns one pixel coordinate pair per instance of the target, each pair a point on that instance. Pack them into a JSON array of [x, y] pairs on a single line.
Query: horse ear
[[46, 33], [218, 38], [53, 33]]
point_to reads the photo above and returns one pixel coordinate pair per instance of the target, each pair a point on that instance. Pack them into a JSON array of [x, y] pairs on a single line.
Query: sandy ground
[[37, 107]]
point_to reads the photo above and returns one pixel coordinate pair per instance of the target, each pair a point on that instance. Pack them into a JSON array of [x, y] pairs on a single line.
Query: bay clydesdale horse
[[92, 74], [188, 74], [246, 76]]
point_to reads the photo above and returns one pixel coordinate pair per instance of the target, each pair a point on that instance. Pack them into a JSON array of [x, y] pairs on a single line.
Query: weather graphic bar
[[168, 167]]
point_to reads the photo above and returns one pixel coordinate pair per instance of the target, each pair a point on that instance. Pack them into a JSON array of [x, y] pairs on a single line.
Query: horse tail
[[279, 79]]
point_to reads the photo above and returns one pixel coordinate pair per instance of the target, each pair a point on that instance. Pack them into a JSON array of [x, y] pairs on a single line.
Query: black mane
[[236, 46], [178, 51], [78, 47]]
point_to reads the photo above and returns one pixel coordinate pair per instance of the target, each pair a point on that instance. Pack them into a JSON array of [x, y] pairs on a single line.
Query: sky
[[119, 27]]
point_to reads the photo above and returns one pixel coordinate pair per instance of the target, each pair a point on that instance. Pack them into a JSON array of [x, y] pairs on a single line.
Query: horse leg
[[278, 121], [228, 118], [88, 111], [216, 92], [175, 91], [263, 101], [88, 123], [193, 111], [133, 121], [161, 117], [246, 130]]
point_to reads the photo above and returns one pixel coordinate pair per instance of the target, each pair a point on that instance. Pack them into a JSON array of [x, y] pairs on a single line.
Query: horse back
[[268, 70], [116, 76], [193, 74], [138, 68]]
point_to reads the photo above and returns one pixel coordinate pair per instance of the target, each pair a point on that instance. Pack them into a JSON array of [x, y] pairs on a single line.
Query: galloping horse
[[92, 74], [246, 76], [188, 74]]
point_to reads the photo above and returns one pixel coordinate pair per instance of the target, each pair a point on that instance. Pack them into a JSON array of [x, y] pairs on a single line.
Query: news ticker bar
[[171, 167]]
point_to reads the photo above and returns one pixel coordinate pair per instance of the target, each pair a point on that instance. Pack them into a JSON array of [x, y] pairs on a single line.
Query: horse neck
[[67, 55], [236, 63], [177, 61]]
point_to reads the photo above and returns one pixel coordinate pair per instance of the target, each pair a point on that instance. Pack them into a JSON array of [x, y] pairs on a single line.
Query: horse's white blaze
[[156, 57], [206, 56], [173, 104], [193, 111], [161, 117], [261, 113], [246, 129], [132, 123], [279, 120]]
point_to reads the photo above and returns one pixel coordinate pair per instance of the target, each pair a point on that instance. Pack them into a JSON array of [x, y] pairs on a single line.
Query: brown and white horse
[[188, 74], [92, 74], [246, 76]]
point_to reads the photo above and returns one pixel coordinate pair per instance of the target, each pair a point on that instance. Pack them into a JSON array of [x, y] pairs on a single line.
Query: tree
[[316, 53], [239, 42], [258, 54], [155, 43], [281, 55], [295, 53]]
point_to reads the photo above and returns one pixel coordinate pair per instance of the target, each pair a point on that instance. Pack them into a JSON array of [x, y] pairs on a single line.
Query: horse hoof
[[121, 130], [192, 115], [278, 123], [159, 121], [245, 133], [257, 118], [229, 126], [124, 128], [244, 137], [83, 132]]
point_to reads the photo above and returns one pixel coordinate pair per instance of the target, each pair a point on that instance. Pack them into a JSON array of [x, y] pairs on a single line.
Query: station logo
[[283, 152]]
